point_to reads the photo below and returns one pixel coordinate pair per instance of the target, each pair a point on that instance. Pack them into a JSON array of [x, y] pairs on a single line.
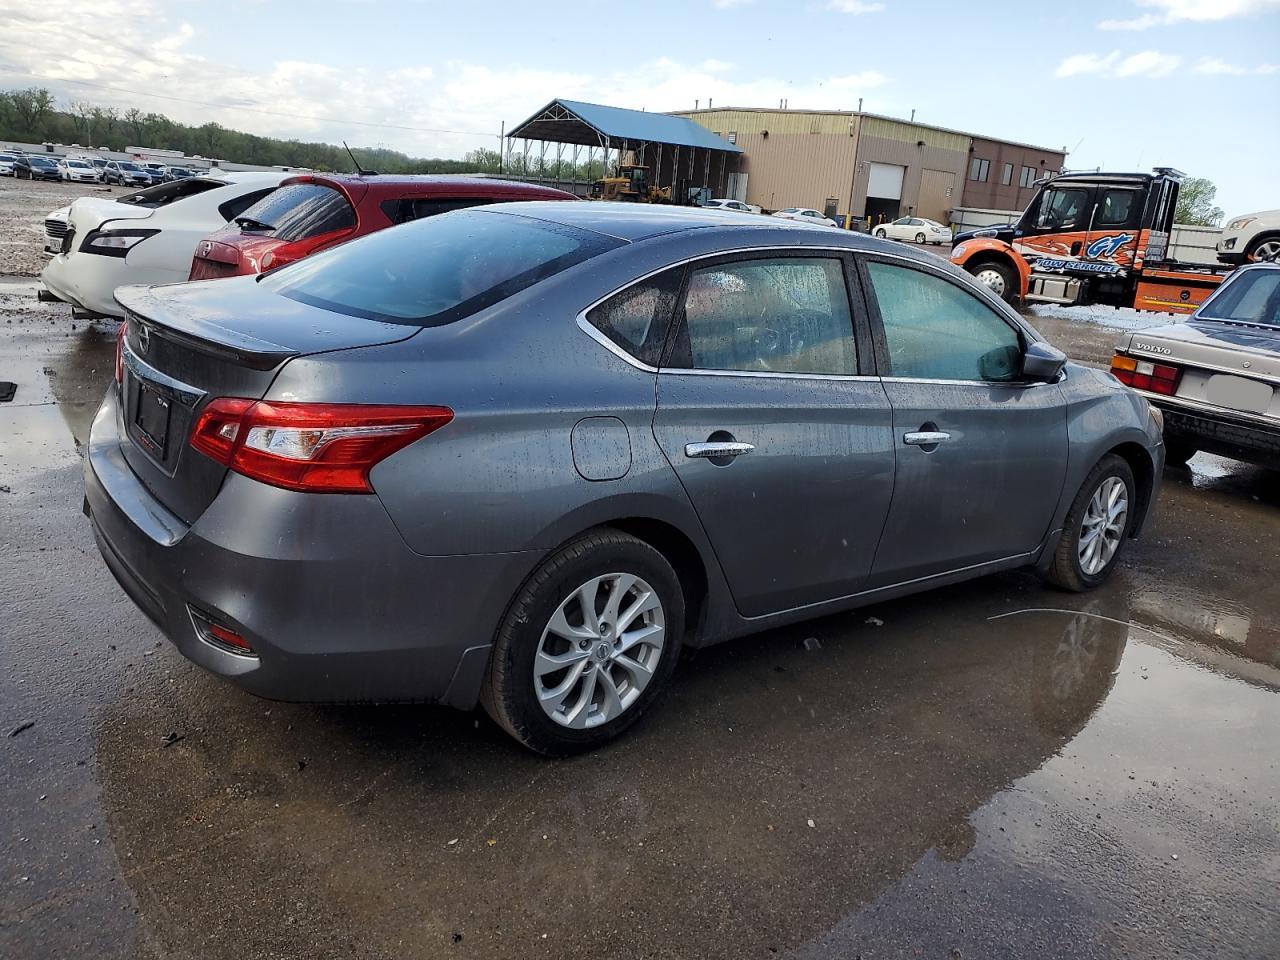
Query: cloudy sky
[[1193, 84]]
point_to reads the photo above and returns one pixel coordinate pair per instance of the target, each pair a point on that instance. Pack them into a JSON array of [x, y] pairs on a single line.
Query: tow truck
[[1091, 238]]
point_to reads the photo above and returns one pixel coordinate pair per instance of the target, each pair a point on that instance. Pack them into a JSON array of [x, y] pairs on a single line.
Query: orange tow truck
[[1091, 238]]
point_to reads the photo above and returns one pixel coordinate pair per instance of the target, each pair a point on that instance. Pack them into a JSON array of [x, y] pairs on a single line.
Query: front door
[[1055, 225], [782, 443], [981, 454]]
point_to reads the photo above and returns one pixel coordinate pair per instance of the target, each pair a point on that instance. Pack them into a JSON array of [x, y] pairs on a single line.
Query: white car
[[56, 225], [1251, 238], [145, 237], [915, 229], [75, 170], [806, 215], [721, 204], [6, 164]]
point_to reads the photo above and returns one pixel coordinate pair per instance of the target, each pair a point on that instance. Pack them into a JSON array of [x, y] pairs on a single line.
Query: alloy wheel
[[599, 651], [1266, 250], [1103, 525]]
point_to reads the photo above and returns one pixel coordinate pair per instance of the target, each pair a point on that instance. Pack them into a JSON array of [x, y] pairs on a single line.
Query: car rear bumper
[[1220, 431], [335, 605]]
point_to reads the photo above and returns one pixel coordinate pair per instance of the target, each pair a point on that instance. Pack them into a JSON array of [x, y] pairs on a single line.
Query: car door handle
[[712, 450], [925, 438]]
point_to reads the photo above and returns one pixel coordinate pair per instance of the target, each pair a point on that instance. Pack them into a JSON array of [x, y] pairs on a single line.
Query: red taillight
[[314, 447], [1146, 375], [121, 332]]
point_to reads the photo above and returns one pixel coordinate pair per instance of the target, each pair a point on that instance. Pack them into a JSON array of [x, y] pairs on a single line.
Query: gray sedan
[[522, 455]]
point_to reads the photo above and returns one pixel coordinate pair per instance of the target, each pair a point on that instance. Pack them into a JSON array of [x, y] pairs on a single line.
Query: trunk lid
[[1216, 344], [190, 343]]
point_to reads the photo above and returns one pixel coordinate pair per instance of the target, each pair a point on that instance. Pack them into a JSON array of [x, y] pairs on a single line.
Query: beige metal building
[[808, 158]]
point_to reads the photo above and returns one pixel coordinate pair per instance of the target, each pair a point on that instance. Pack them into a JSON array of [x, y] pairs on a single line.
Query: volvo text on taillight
[[312, 447], [1160, 378]]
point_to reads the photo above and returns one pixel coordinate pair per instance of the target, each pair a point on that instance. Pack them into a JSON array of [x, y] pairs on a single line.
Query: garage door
[[885, 181], [937, 194]]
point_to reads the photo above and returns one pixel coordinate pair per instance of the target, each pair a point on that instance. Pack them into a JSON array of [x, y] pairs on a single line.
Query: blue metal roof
[[617, 123]]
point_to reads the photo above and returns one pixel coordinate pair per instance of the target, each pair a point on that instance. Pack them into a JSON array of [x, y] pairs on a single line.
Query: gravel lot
[[23, 207]]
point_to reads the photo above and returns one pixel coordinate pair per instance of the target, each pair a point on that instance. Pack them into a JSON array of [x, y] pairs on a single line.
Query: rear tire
[[1178, 452], [614, 666], [996, 277], [1096, 527]]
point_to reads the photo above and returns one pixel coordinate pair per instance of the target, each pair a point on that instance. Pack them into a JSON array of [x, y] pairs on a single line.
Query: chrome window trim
[[1000, 307], [1018, 384]]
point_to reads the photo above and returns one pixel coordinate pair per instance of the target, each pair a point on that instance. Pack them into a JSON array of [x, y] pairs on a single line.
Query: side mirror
[[1042, 362]]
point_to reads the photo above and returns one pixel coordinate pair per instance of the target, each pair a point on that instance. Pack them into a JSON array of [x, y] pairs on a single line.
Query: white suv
[[1251, 238], [143, 237]]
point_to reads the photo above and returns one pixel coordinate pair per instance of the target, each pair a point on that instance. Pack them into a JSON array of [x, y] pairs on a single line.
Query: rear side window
[[636, 319], [783, 315], [298, 211], [417, 208], [437, 270], [936, 331], [163, 194], [237, 206]]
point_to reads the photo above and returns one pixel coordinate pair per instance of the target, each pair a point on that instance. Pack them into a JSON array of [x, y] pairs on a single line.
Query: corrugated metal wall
[[797, 170]]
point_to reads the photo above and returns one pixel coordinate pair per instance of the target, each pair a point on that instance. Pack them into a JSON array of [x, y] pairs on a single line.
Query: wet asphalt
[[989, 770]]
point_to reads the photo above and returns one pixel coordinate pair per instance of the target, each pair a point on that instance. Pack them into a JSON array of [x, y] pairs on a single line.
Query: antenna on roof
[[363, 173]]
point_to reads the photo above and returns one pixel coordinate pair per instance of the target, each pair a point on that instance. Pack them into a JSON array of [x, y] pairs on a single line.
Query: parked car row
[[127, 173], [521, 453]]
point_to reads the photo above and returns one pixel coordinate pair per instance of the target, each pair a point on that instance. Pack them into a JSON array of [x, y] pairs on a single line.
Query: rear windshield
[[434, 271], [298, 211], [163, 194], [1252, 297]]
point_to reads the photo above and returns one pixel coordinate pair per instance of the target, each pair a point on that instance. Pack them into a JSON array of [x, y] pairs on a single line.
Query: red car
[[314, 211]]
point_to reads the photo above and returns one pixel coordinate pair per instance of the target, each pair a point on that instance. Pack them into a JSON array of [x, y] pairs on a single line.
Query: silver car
[[521, 455], [1216, 375]]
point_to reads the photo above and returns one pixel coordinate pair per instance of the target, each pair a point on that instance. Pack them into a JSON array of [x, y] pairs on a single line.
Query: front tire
[[1096, 527], [996, 277], [881, 234], [587, 644]]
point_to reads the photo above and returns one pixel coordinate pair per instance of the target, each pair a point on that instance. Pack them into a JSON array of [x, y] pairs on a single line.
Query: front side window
[[1063, 208], [434, 271], [636, 319], [783, 315], [935, 330]]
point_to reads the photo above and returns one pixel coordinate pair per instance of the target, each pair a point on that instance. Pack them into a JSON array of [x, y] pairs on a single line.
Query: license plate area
[[1238, 393], [151, 418]]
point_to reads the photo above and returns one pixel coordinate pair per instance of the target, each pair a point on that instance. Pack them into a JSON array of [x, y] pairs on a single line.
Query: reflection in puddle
[[696, 827]]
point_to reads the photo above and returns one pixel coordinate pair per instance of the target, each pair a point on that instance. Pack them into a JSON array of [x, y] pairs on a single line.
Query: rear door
[[776, 427], [981, 454]]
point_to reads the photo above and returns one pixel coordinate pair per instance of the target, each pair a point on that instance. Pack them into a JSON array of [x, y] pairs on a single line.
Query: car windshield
[[77, 163], [1252, 297], [7, 157], [126, 165], [434, 271], [41, 162]]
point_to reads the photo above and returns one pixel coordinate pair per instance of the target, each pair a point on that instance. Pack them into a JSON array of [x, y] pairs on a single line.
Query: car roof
[[389, 186], [639, 221]]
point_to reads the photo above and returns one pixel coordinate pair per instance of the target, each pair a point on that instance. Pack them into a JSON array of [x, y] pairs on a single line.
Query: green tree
[[1195, 203]]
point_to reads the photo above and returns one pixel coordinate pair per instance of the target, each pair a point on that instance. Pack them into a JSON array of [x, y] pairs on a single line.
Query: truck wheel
[[997, 277], [1177, 452]]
